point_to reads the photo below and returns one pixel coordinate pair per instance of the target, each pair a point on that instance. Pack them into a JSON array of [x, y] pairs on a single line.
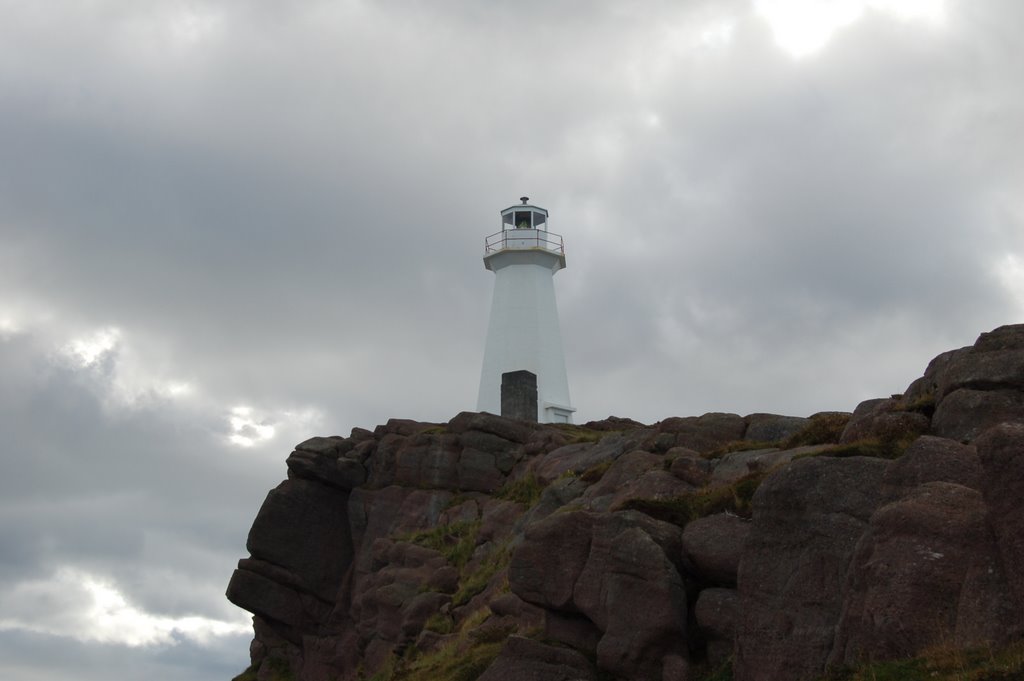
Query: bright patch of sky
[[134, 376], [717, 34], [803, 27], [247, 429], [1011, 274], [89, 349], [189, 25], [75, 604], [251, 427]]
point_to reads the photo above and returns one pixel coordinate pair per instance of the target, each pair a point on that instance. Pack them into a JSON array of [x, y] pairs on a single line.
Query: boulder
[[1001, 452], [576, 631], [808, 518], [276, 603], [485, 442], [511, 430], [611, 579], [621, 471], [555, 496], [1008, 337], [614, 423], [392, 511], [772, 427], [631, 590], [333, 446], [965, 413], [716, 612], [381, 466], [931, 459], [403, 427], [908, 574], [926, 387], [478, 471], [653, 484], [983, 370], [714, 544], [303, 527], [883, 420], [689, 466], [704, 433], [731, 467], [576, 458], [547, 577], [344, 473], [390, 604], [499, 518], [635, 475], [433, 465], [523, 659]]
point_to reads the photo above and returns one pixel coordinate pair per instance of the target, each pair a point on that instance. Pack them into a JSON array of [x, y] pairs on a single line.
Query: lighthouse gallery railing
[[514, 239]]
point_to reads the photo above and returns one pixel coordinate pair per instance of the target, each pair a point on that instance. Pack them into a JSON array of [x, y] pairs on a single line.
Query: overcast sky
[[228, 226]]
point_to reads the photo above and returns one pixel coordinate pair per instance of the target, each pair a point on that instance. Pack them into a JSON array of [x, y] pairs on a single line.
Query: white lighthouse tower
[[523, 333]]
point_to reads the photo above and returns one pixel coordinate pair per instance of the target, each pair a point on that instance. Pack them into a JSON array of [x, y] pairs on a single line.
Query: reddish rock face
[[1001, 451], [904, 589], [808, 518], [486, 534], [884, 420], [702, 433], [714, 546], [303, 528], [965, 414], [545, 575], [717, 612], [932, 459], [615, 571], [522, 659]]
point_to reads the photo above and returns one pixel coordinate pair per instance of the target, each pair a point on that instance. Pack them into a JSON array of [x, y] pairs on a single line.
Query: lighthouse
[[524, 343]]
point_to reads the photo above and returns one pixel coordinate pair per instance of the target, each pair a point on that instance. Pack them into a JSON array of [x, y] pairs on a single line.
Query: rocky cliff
[[779, 546]]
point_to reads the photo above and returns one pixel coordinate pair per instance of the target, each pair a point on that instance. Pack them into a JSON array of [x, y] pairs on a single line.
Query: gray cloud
[[283, 207]]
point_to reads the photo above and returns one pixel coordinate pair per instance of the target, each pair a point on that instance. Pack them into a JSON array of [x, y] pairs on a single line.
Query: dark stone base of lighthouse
[[519, 395]]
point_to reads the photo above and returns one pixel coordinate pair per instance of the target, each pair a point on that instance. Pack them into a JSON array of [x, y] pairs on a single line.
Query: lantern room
[[524, 216], [525, 228]]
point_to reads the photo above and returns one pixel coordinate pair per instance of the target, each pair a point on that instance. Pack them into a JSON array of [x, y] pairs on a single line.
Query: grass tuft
[[740, 446], [596, 472], [455, 542], [824, 428], [248, 675], [879, 449], [526, 490], [472, 584], [925, 404], [578, 434], [684, 509]]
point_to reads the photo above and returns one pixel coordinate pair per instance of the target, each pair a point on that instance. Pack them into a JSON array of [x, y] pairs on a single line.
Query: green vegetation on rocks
[[455, 542], [740, 446], [876, 447], [684, 509], [526, 490], [577, 434], [462, 658], [472, 584], [944, 663], [824, 428], [278, 671]]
